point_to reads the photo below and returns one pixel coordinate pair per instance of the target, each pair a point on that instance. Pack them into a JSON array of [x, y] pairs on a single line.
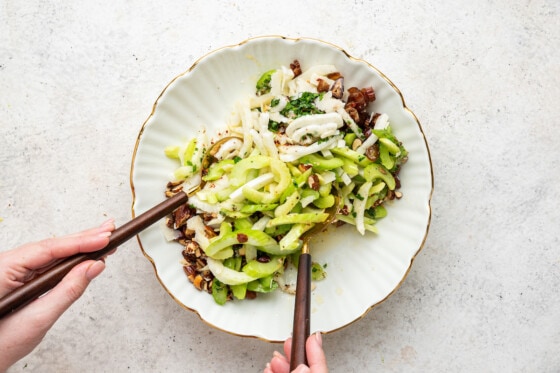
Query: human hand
[[315, 356], [21, 331]]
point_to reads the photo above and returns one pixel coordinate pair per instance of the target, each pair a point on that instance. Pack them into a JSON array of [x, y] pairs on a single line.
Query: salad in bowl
[[289, 150]]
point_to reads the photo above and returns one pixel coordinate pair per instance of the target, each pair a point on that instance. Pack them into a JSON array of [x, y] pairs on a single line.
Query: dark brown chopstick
[[302, 313], [49, 279]]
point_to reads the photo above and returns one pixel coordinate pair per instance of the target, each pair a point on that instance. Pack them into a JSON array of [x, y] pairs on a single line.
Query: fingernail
[[95, 269], [104, 234], [319, 338], [276, 354], [108, 223]]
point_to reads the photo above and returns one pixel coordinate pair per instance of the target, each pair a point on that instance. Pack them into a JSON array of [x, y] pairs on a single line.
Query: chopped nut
[[188, 233], [182, 214], [200, 263], [398, 195], [356, 144], [372, 152], [209, 232], [334, 76], [206, 217], [207, 275], [369, 94], [338, 88], [191, 251], [303, 167], [322, 86], [190, 270], [313, 182], [354, 114], [296, 68], [242, 238], [197, 282]]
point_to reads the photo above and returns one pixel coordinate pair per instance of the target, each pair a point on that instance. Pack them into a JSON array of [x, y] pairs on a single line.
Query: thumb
[[64, 294], [315, 354]]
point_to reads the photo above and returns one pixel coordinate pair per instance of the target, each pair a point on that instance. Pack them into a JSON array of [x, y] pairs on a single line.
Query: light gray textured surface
[[77, 81]]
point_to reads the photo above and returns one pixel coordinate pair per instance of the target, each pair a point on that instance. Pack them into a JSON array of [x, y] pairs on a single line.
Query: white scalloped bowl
[[362, 270]]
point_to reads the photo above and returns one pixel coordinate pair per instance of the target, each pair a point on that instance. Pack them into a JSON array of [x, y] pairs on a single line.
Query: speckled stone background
[[78, 79]]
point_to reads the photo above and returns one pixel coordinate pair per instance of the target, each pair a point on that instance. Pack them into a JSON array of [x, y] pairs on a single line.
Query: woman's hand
[[315, 357], [21, 331]]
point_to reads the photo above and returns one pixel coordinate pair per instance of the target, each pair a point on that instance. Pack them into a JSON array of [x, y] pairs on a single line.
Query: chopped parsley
[[302, 105], [273, 126]]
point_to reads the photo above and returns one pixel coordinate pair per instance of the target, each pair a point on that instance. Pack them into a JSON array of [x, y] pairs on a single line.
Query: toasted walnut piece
[[334, 76], [190, 270], [209, 232], [189, 252], [188, 233], [304, 167], [208, 216], [322, 86], [200, 263], [296, 68], [338, 88], [354, 114], [369, 93], [191, 247], [356, 144], [372, 152], [313, 182], [182, 214], [356, 99]]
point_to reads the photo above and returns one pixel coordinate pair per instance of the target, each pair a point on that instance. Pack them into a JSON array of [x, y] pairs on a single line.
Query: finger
[[62, 296], [109, 224], [279, 363], [315, 355], [37, 255], [302, 368]]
